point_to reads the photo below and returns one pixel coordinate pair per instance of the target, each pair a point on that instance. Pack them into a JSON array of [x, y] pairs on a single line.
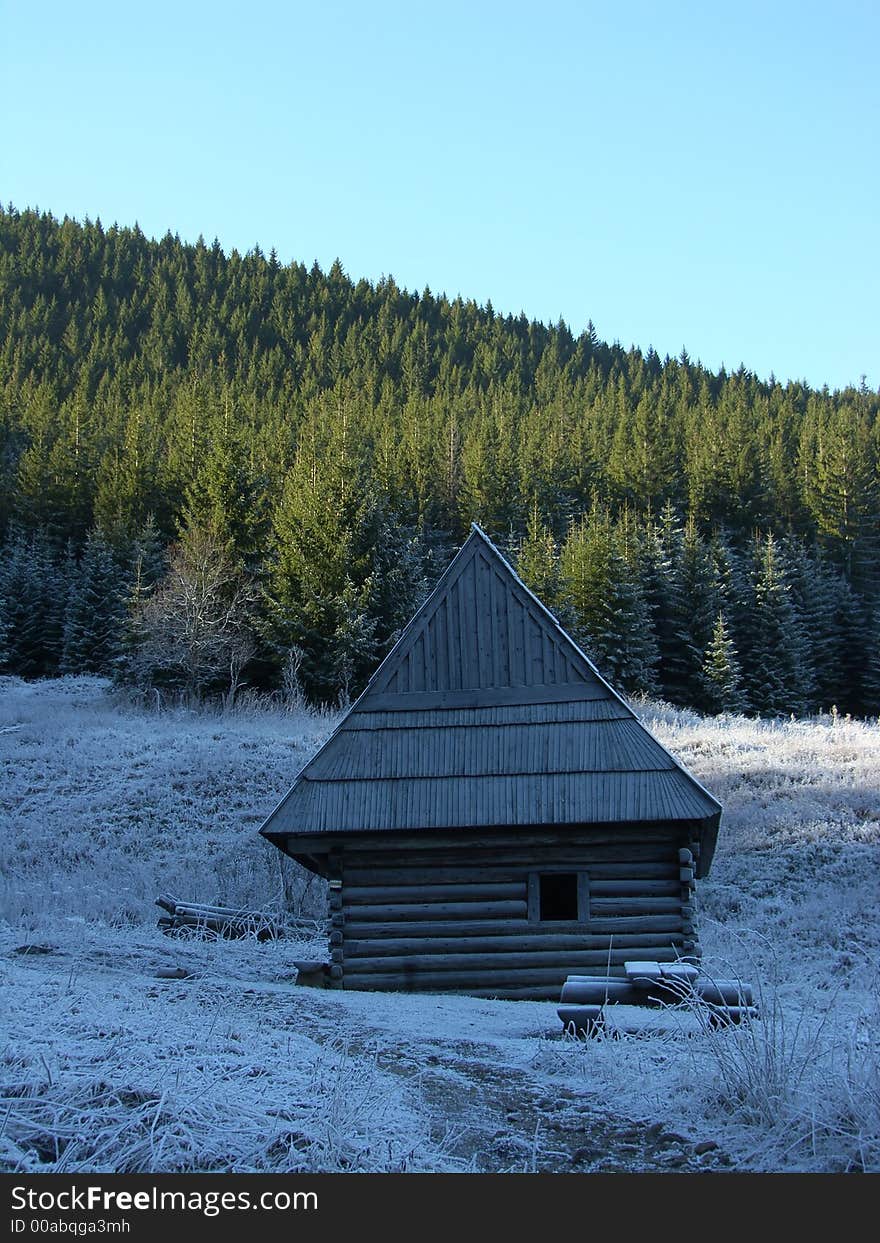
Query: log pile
[[221, 921], [720, 1002]]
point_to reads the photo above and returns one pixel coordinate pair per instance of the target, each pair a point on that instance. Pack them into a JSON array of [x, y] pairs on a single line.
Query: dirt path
[[483, 1109], [496, 1118]]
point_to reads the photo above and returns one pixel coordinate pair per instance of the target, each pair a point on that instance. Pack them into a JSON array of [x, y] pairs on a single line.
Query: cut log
[[642, 974], [311, 974], [723, 1016], [724, 992], [683, 972], [583, 991], [585, 1019], [224, 920]]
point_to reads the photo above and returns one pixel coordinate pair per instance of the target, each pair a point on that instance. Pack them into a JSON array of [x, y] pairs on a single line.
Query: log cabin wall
[[469, 920]]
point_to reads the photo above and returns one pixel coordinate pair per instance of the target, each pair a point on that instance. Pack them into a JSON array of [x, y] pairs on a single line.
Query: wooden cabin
[[490, 814]]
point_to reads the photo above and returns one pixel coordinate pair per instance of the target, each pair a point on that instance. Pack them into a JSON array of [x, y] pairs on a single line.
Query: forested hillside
[[219, 470]]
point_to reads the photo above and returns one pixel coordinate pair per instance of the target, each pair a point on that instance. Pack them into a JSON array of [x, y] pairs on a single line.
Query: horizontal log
[[193, 911], [443, 981], [612, 847], [565, 963], [614, 925], [480, 890], [414, 911], [634, 943], [423, 872], [420, 870], [633, 906], [219, 923], [622, 925], [585, 991], [686, 875], [167, 903], [532, 992], [477, 891], [540, 992], [635, 888]]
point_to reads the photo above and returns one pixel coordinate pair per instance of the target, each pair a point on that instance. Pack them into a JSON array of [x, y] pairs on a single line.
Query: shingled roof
[[486, 714]]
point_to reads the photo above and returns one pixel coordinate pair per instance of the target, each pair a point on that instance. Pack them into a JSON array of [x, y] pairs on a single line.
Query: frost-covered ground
[[110, 1063]]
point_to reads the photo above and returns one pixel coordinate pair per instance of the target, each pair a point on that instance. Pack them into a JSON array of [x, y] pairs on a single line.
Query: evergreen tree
[[95, 616], [604, 596], [33, 589], [146, 377], [669, 607], [147, 563], [870, 678], [721, 674], [4, 635], [774, 650], [325, 578], [537, 562], [703, 600], [221, 499], [843, 488]]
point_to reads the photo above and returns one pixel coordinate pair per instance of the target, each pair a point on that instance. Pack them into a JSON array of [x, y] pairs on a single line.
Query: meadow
[[125, 1050]]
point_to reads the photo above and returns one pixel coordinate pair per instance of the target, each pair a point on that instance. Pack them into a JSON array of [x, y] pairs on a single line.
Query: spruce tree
[[721, 675], [95, 617], [669, 608], [146, 565], [603, 594], [537, 561], [703, 599], [33, 587], [328, 534], [774, 650]]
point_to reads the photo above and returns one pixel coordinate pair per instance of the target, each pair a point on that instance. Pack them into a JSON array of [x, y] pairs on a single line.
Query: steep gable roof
[[487, 714]]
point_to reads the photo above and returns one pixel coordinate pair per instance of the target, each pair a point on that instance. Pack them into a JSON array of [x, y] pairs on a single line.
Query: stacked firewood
[[584, 997], [221, 921]]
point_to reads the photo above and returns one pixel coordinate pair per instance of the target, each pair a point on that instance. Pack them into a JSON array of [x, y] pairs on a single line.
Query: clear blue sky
[[697, 174]]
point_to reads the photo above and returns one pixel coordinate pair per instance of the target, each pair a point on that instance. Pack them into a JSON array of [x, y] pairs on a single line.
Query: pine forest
[[220, 474]]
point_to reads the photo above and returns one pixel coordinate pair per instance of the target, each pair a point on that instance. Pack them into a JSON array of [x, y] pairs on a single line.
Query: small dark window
[[559, 895]]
